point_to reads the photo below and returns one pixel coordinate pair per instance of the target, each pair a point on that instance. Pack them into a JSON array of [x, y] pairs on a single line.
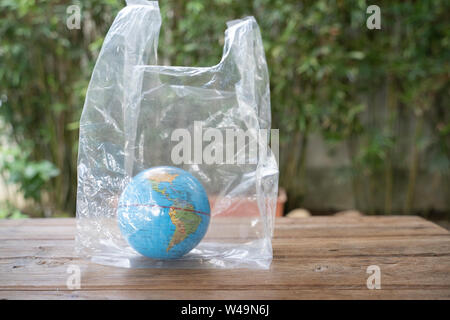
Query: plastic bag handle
[[242, 41], [244, 50], [142, 2]]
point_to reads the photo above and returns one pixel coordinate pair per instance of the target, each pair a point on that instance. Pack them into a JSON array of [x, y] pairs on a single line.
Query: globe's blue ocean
[[164, 212]]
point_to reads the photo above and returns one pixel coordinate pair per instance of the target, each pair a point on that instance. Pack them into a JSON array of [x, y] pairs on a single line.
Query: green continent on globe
[[186, 223], [185, 220]]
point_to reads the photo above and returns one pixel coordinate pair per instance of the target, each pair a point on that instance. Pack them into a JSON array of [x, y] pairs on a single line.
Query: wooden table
[[314, 258]]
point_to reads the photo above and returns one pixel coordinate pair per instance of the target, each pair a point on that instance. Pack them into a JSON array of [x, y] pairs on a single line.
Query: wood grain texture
[[314, 258]]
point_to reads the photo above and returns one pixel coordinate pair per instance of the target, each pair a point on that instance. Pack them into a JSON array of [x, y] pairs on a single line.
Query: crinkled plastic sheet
[[133, 106]]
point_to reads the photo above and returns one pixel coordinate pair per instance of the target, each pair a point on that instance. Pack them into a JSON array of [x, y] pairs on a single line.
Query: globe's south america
[[163, 212]]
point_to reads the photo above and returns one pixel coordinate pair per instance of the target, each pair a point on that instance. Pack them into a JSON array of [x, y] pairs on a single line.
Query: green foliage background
[[326, 68]]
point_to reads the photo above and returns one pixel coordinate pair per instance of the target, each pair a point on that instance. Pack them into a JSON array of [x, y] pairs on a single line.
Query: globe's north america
[[164, 212]]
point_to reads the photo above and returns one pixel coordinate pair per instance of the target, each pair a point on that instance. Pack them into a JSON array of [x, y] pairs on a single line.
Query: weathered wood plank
[[316, 221], [320, 227], [298, 273], [283, 248], [314, 258], [284, 294]]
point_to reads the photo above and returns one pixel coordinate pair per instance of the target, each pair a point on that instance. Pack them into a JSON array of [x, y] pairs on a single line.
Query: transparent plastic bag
[[134, 117]]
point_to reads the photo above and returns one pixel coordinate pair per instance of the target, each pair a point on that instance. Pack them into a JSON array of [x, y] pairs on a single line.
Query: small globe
[[164, 212]]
